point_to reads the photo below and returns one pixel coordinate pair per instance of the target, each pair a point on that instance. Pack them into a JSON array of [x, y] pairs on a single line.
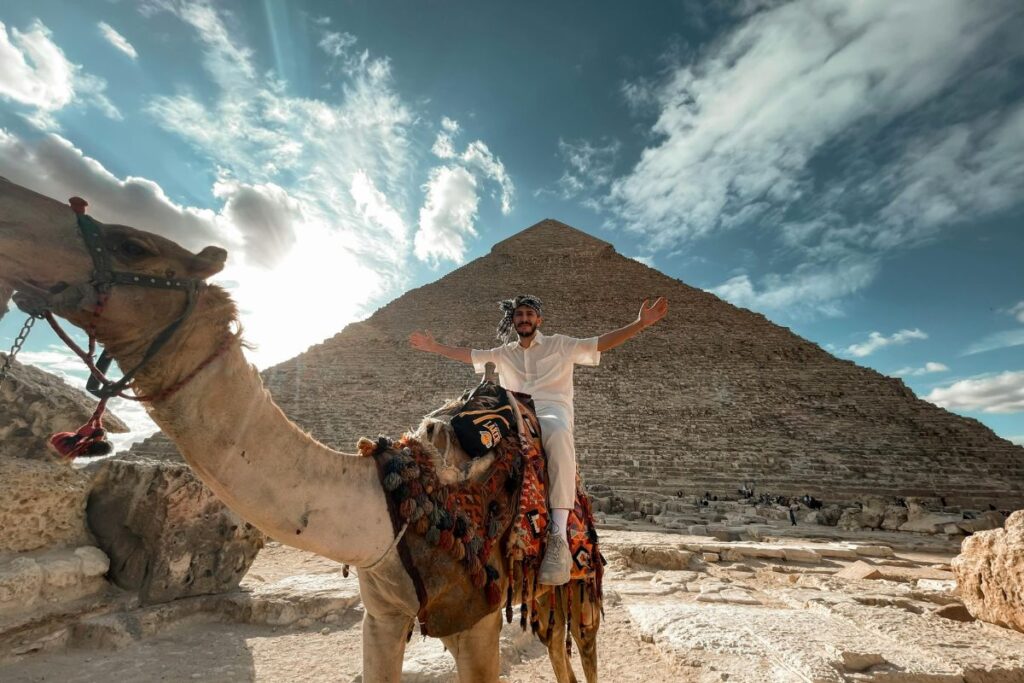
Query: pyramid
[[710, 398]]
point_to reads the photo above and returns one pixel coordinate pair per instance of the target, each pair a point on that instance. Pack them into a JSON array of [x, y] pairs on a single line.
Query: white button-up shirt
[[545, 369]]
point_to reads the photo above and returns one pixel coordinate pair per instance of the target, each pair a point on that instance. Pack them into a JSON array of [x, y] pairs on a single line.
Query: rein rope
[[90, 439]]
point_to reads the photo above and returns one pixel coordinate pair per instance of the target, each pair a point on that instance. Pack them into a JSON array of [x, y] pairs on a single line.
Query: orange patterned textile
[[531, 522], [470, 545]]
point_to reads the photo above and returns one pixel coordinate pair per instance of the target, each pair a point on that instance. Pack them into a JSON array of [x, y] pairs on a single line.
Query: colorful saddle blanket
[[464, 544]]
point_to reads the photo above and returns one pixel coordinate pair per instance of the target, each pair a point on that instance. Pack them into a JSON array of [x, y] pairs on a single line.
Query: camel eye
[[133, 249]]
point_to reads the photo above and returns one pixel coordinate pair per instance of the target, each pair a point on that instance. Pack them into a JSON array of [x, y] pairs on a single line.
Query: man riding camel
[[541, 366]]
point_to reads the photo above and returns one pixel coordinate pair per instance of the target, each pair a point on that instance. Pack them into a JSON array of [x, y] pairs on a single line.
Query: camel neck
[[271, 473]]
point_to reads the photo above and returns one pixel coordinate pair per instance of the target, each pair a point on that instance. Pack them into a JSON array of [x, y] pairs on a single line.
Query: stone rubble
[[760, 617], [990, 572], [167, 535]]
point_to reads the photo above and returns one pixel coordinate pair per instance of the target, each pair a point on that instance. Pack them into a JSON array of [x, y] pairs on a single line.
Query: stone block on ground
[[895, 516], [990, 573], [989, 519], [35, 582], [859, 570], [656, 556], [930, 523], [801, 555], [166, 533], [42, 505]]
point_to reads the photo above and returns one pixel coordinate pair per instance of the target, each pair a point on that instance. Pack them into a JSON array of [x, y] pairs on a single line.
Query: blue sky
[[851, 170]]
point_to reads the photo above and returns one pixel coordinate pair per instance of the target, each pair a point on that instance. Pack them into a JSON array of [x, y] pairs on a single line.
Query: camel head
[[44, 258]]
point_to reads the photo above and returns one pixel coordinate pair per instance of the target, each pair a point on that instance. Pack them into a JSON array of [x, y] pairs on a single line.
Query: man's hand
[[423, 341], [649, 314], [652, 313]]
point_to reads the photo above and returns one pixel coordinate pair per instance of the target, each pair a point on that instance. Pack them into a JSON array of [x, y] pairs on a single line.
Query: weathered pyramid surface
[[710, 398]]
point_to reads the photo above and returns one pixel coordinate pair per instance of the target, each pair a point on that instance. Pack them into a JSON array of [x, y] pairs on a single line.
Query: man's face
[[526, 321]]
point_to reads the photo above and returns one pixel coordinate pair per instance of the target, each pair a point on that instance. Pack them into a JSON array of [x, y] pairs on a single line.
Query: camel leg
[[560, 661], [587, 644], [554, 639], [389, 599], [384, 647], [476, 650]]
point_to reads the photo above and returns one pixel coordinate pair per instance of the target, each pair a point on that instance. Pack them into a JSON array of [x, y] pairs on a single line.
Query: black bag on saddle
[[484, 419]]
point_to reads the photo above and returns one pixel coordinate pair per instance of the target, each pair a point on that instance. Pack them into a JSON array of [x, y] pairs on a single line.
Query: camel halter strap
[[90, 439], [104, 277]]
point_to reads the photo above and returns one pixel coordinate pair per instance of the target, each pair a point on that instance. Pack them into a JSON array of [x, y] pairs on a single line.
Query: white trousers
[[557, 439]]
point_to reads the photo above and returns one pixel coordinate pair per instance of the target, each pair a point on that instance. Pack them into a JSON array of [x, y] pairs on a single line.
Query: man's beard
[[522, 335]]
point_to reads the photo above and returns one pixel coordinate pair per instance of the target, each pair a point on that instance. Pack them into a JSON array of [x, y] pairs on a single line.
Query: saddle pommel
[[490, 373]]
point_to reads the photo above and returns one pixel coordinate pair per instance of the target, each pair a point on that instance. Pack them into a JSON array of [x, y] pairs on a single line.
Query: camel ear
[[209, 261]]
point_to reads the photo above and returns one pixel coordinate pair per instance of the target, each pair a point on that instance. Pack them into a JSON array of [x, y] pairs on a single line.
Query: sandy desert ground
[[678, 608]]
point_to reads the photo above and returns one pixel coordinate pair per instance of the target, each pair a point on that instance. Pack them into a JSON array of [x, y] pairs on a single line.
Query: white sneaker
[[557, 564]]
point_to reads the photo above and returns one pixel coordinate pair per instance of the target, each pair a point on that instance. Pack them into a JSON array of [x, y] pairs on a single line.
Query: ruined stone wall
[[711, 397]]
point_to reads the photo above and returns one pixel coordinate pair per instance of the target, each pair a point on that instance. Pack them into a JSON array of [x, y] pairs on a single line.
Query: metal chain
[[18, 341]]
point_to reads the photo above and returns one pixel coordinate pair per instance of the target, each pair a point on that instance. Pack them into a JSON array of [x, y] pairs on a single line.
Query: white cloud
[[1017, 311], [810, 287], [452, 195], [36, 74], [337, 44], [265, 215], [35, 70], [877, 340], [57, 360], [447, 215], [997, 340], [1019, 439], [646, 260], [261, 225], [739, 127], [444, 147], [477, 157], [310, 148], [54, 167], [117, 40], [927, 369], [589, 166], [1002, 393], [374, 207], [746, 130]]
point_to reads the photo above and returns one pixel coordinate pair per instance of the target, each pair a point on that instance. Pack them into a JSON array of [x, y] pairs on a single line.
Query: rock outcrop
[[35, 404], [167, 535], [42, 505], [990, 573]]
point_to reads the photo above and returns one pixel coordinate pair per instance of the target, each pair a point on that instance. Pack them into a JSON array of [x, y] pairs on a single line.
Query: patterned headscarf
[[508, 308]]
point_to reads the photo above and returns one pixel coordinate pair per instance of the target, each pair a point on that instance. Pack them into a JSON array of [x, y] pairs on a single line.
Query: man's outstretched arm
[[424, 341], [649, 314]]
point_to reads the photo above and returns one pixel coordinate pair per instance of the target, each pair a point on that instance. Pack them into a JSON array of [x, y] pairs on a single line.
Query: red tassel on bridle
[[90, 439]]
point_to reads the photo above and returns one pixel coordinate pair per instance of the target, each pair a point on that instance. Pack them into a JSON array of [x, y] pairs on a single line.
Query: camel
[[222, 419]]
